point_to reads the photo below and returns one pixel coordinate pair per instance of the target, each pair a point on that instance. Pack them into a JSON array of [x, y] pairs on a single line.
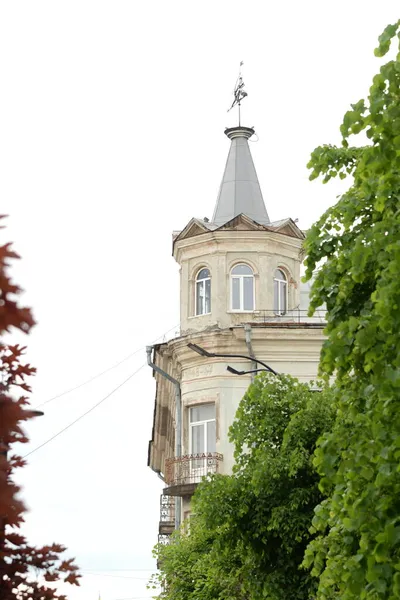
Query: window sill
[[242, 312], [199, 316]]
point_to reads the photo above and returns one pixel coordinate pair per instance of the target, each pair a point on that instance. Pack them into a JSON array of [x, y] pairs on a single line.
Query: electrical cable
[[86, 412], [101, 373]]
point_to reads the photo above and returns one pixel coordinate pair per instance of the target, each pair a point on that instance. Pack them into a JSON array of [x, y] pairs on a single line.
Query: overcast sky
[[112, 118]]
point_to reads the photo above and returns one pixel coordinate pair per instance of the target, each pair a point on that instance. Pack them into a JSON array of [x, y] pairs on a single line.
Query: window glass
[[280, 292], [199, 298], [276, 296], [203, 292], [283, 297], [236, 293], [242, 270], [248, 301], [197, 439], [202, 432], [211, 437], [203, 412], [242, 288], [203, 274], [207, 296], [280, 275]]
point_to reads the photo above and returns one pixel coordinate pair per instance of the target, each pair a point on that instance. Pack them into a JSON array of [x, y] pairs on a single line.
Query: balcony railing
[[167, 515], [164, 539], [294, 315], [183, 473]]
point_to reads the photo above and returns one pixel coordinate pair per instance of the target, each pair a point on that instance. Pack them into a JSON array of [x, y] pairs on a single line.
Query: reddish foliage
[[21, 565]]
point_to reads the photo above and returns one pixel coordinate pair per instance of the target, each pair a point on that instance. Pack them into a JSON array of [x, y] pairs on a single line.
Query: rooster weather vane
[[238, 92]]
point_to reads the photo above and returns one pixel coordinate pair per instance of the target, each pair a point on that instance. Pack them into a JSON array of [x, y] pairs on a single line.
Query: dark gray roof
[[240, 190]]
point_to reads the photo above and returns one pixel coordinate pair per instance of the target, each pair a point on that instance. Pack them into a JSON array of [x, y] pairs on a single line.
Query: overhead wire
[[53, 437], [76, 387]]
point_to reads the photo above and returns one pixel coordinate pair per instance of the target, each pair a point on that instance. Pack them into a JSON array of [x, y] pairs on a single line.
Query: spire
[[240, 190]]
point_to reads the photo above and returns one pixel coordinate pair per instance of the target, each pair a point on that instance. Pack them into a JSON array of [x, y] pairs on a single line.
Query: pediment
[[193, 228], [287, 227], [242, 223]]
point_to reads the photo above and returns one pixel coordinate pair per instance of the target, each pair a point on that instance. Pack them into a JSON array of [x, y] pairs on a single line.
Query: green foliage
[[249, 532], [332, 161], [356, 246]]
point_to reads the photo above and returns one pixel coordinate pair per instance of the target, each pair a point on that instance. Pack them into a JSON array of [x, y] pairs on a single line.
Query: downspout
[[247, 331], [178, 404]]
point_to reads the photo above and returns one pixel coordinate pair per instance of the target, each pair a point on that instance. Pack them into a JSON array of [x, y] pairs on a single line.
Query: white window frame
[[241, 289], [202, 283], [204, 423], [281, 283]]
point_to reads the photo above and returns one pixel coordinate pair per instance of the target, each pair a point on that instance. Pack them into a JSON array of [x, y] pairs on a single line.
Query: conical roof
[[240, 190]]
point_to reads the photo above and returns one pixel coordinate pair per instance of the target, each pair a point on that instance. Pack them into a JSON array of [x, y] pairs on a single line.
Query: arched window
[[242, 288], [280, 292], [203, 292]]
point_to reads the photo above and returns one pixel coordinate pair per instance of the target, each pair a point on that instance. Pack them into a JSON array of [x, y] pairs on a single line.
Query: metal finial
[[238, 92]]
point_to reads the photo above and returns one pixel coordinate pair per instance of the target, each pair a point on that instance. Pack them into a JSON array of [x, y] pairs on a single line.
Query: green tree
[[250, 530], [356, 247]]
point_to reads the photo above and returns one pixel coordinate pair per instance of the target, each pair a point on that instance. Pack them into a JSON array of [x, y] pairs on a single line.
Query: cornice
[[232, 341], [222, 239]]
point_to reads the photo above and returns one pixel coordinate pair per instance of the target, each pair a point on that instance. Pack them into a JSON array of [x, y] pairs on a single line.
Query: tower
[[240, 296]]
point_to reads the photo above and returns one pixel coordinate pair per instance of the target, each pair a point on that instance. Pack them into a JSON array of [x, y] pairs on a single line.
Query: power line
[[76, 387], [85, 413]]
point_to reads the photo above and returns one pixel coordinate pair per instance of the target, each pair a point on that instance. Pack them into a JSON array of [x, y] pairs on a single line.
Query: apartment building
[[242, 305]]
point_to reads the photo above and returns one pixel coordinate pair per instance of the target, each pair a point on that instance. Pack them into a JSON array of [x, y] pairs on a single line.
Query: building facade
[[241, 301]]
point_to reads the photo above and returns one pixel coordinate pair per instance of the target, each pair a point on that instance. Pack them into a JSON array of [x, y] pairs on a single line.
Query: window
[[203, 292], [242, 291], [280, 292], [202, 434]]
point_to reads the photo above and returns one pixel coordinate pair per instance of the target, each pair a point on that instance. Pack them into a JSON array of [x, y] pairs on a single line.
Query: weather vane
[[238, 92]]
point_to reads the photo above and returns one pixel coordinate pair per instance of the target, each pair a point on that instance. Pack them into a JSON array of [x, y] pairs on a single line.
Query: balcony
[[167, 516], [184, 473], [163, 539], [292, 317]]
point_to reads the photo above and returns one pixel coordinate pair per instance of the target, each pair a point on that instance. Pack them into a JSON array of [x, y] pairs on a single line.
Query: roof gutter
[[247, 332]]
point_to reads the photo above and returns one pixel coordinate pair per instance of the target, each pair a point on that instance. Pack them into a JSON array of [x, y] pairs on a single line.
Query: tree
[[20, 563], [356, 247], [249, 530]]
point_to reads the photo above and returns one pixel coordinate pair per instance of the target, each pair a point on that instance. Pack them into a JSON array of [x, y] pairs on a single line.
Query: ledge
[[181, 490]]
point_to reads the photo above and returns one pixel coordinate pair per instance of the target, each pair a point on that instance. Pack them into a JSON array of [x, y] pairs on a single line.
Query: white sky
[[112, 117]]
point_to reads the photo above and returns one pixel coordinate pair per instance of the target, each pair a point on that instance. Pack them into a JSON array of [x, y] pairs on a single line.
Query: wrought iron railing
[[294, 315], [167, 515], [164, 539], [191, 468]]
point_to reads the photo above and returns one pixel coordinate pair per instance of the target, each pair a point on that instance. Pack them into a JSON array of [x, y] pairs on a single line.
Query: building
[[240, 296]]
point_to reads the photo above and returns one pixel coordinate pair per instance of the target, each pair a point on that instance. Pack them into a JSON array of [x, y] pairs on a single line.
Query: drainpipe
[[178, 404], [247, 331]]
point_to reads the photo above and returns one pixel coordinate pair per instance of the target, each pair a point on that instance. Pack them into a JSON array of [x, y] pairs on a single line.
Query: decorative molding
[[203, 399], [201, 371]]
